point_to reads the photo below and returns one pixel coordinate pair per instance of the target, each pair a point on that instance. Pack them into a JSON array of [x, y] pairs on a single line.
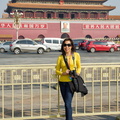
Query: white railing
[[27, 91]]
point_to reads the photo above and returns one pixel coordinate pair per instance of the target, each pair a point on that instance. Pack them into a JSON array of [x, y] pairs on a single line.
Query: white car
[[52, 43], [27, 45], [5, 47], [39, 42]]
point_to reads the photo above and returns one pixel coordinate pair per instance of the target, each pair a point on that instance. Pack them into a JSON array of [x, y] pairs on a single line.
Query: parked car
[[93, 46], [5, 47], [117, 45], [77, 43], [25, 45], [40, 42], [84, 43], [52, 43]]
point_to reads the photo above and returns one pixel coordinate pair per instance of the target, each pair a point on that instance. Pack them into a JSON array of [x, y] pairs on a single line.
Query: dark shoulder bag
[[77, 84]]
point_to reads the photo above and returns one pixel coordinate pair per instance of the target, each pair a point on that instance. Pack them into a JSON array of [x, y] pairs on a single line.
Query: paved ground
[[51, 58], [95, 117]]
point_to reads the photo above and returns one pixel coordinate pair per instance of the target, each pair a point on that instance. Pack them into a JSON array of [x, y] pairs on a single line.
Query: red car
[[93, 46], [117, 45], [77, 43], [84, 43]]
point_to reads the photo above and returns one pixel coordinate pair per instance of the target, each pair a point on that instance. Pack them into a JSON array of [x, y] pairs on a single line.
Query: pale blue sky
[[3, 6]]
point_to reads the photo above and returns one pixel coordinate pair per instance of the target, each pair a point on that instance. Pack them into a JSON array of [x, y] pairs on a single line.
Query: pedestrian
[[68, 50]]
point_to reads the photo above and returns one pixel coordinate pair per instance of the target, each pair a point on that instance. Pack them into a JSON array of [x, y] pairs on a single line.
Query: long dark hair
[[62, 46]]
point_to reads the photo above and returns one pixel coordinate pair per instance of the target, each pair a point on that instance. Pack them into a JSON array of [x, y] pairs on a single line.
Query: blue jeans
[[67, 96]]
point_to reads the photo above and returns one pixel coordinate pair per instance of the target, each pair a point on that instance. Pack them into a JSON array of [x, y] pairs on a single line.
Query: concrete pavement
[[94, 117]]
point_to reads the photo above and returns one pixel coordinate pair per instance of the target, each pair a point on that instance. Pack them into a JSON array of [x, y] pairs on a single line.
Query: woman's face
[[67, 46]]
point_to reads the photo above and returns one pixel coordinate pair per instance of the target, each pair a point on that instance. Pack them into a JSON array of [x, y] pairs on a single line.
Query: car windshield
[[35, 43], [77, 40], [110, 43], [88, 43]]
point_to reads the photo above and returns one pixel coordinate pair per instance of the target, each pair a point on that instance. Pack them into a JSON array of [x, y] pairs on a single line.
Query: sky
[[116, 3]]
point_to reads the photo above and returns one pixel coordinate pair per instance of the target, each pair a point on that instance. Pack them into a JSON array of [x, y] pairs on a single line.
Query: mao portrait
[[65, 27]]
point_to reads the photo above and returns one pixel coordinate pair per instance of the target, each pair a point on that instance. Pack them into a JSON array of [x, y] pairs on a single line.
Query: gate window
[[61, 15], [72, 16], [48, 15]]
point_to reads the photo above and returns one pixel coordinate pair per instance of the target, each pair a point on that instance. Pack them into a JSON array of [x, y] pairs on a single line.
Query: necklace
[[69, 54]]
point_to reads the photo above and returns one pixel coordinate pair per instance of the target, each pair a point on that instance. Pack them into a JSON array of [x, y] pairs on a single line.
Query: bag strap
[[74, 61], [65, 60]]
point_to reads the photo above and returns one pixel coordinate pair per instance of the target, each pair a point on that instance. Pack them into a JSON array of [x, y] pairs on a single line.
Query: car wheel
[[112, 50], [2, 50], [77, 48], [40, 51], [17, 51], [92, 50], [48, 50], [82, 49]]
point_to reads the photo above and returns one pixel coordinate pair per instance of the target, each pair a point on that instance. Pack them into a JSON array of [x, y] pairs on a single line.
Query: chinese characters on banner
[[25, 25], [101, 26], [65, 27]]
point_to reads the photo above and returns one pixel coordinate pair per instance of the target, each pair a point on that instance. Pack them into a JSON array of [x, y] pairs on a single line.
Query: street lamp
[[16, 24]]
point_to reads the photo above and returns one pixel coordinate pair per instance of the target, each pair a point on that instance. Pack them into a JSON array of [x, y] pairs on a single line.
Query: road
[[51, 57]]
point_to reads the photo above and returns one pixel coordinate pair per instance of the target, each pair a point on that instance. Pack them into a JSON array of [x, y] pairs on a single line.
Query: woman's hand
[[66, 73]]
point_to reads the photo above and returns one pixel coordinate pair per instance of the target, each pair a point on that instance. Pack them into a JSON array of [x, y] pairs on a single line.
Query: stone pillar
[[107, 16], [78, 15], [88, 15], [55, 15], [69, 15], [45, 15], [34, 15], [23, 14], [98, 16]]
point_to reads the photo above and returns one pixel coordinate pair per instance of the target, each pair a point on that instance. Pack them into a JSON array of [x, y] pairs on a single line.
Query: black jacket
[[78, 85]]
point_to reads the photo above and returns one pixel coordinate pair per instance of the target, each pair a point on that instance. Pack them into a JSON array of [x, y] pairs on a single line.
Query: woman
[[68, 51]]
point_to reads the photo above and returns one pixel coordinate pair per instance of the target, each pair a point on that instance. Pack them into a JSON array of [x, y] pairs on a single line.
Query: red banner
[[25, 25], [101, 26]]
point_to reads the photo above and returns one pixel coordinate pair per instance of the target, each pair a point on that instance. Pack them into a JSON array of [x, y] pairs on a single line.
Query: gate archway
[[41, 36], [21, 37], [65, 35], [88, 36]]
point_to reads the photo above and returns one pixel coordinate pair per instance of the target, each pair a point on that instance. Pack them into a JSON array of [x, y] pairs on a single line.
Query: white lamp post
[[16, 23]]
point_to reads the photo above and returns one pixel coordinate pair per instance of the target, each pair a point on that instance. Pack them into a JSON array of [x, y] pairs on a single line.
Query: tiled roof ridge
[[26, 4], [91, 0], [55, 4]]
